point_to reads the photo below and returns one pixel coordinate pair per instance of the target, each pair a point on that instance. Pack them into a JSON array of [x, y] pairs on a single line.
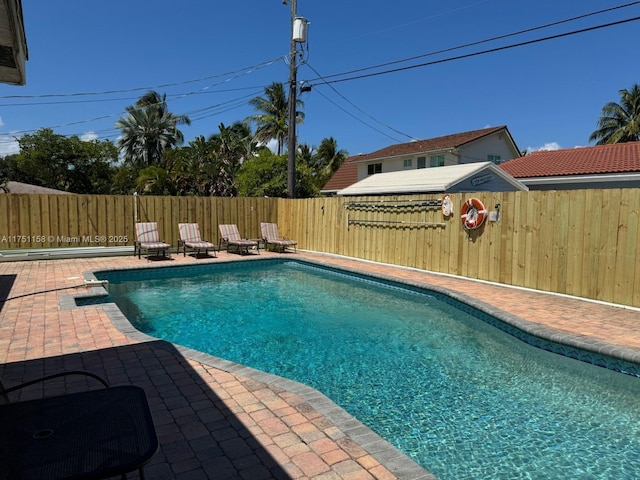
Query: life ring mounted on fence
[[473, 213]]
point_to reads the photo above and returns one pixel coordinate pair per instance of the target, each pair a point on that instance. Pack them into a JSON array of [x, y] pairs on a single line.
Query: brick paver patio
[[216, 419]]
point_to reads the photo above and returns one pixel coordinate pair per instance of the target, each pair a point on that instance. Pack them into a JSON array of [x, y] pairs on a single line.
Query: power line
[[360, 110], [177, 95], [459, 57], [246, 71], [217, 109], [358, 119], [137, 89], [325, 79], [413, 22]]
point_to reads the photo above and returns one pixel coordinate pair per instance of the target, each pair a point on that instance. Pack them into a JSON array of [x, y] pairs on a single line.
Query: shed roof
[[424, 180]]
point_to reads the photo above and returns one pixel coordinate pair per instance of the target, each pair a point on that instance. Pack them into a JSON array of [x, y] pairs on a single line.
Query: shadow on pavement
[[200, 433]]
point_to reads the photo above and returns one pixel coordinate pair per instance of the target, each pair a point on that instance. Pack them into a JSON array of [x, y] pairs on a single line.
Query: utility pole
[[291, 140], [298, 35]]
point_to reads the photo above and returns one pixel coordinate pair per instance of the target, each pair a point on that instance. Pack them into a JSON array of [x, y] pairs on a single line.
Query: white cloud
[[546, 146], [1, 122], [273, 145], [8, 145], [88, 136]]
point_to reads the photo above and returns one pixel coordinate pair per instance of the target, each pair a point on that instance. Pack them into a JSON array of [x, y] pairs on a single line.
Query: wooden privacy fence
[[47, 221], [576, 242]]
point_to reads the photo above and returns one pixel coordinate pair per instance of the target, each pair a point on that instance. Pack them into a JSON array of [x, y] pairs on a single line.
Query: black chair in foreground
[[98, 433]]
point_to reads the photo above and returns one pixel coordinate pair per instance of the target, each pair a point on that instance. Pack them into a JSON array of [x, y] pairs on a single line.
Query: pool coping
[[395, 460]]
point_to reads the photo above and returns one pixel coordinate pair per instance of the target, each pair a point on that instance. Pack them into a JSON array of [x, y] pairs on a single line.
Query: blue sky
[[211, 57]]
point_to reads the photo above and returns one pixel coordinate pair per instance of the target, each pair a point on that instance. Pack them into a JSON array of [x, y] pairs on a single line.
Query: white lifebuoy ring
[[447, 206], [473, 213]]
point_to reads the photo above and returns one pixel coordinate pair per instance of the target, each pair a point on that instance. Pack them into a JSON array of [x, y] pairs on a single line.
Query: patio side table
[[89, 435]]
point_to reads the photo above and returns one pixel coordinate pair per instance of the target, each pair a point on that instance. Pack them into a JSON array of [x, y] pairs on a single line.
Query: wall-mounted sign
[[482, 179]]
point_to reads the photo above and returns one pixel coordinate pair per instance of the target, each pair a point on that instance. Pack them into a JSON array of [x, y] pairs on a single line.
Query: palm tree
[[230, 149], [306, 155], [148, 129], [327, 160], [620, 123], [153, 180], [329, 157], [203, 165], [272, 119]]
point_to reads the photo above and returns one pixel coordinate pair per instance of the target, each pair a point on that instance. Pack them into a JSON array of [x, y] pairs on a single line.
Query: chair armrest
[[4, 391]]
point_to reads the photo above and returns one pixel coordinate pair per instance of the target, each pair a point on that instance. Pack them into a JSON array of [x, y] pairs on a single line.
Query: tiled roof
[[600, 159], [347, 174]]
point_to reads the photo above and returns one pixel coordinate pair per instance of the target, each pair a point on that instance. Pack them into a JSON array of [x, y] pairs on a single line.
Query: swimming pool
[[453, 392]]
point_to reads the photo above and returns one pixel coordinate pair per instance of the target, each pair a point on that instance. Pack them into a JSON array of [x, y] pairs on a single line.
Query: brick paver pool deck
[[216, 419]]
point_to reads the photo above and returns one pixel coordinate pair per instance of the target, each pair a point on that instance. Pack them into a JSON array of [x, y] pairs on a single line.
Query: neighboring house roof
[[600, 159], [481, 176], [347, 174], [19, 187]]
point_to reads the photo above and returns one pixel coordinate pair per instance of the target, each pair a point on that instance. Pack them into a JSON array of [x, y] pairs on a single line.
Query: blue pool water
[[456, 394]]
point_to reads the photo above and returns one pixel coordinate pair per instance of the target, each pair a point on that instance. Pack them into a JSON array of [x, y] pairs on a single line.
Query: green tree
[[272, 117], [183, 166], [266, 175], [94, 167], [620, 123], [232, 146], [148, 130], [66, 163], [9, 170], [194, 168], [124, 180], [263, 176], [305, 154], [154, 180], [329, 157], [305, 181], [323, 161]]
